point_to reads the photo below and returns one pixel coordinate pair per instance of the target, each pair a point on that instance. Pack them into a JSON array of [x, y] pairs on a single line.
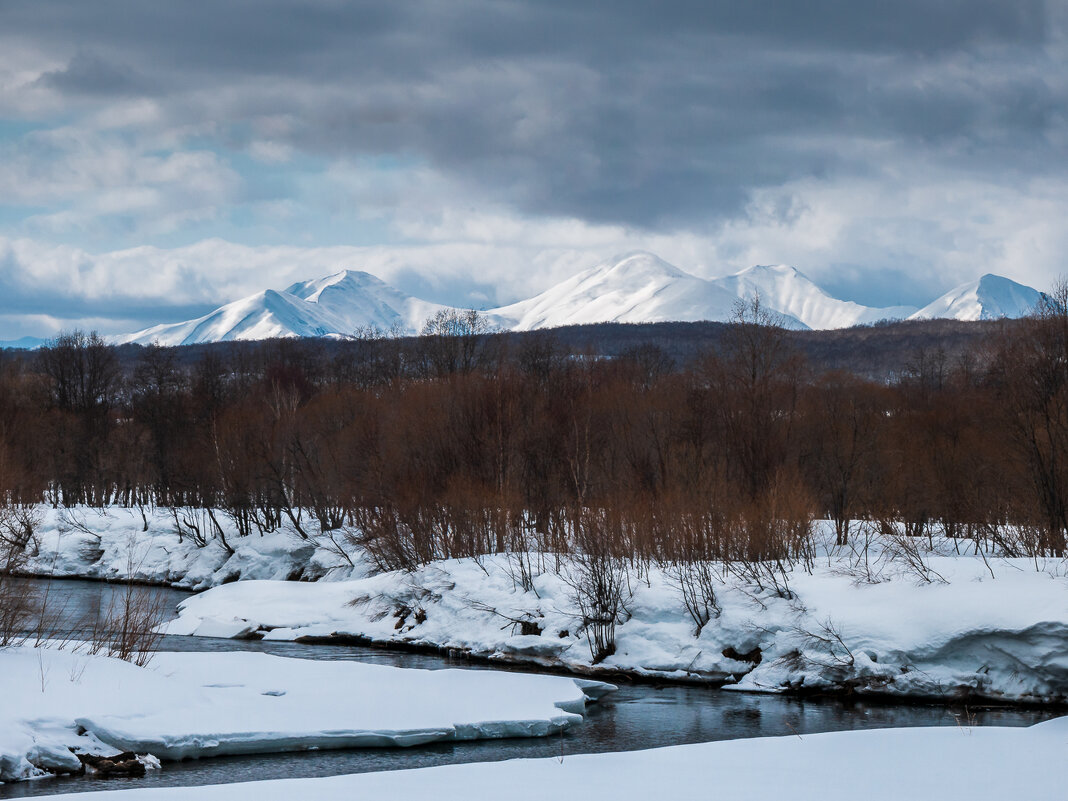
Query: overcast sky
[[157, 159]]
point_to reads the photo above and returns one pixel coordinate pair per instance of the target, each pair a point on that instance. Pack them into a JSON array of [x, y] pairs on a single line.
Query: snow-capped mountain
[[989, 298], [636, 288], [337, 305], [792, 293], [357, 300]]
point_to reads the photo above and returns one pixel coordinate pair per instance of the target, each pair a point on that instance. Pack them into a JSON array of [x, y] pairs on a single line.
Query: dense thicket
[[458, 443]]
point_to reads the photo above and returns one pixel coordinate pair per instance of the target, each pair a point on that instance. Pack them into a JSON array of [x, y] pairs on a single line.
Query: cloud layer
[[890, 150]]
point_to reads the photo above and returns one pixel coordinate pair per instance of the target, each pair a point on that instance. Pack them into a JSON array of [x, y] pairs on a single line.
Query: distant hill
[[23, 343]]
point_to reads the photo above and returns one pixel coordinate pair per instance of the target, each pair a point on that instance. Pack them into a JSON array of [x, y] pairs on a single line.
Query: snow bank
[[986, 628], [206, 704], [981, 764], [972, 637], [118, 543]]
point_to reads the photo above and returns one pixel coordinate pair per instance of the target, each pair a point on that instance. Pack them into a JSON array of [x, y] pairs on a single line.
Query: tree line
[[459, 443]]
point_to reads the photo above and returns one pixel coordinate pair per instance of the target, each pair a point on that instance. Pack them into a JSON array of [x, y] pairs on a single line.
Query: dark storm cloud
[[89, 74], [653, 114]]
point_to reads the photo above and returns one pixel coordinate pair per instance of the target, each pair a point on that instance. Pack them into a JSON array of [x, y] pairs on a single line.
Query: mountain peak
[[785, 270], [638, 263], [356, 279], [990, 297], [632, 288]]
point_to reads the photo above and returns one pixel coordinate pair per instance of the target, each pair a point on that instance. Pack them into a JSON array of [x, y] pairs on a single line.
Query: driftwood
[[124, 765]]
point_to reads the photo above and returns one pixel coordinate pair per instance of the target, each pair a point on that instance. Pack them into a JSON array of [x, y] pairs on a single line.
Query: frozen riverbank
[[969, 637], [188, 705], [941, 623], [969, 764], [125, 544]]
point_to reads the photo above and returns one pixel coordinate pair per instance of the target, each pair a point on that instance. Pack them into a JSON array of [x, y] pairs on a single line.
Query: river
[[635, 717]]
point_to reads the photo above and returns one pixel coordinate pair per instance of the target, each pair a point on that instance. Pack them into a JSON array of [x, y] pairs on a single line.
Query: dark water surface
[[634, 717]]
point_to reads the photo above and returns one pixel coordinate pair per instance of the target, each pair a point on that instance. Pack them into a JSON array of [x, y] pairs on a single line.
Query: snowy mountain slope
[[636, 288], [989, 298], [359, 299], [337, 305], [792, 293], [264, 315]]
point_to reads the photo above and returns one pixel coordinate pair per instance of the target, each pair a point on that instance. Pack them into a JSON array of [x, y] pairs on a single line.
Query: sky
[[158, 159]]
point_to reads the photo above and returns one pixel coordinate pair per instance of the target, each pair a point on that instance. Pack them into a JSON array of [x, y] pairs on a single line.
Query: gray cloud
[[649, 114], [89, 74], [480, 148]]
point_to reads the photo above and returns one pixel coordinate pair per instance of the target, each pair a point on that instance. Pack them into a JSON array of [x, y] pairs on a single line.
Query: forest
[[462, 443]]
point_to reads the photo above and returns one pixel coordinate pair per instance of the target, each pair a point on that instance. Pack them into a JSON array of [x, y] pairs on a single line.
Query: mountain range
[[638, 287]]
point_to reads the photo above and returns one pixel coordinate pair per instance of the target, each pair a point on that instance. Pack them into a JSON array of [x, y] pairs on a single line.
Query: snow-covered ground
[[946, 625], [972, 636], [969, 764], [187, 705]]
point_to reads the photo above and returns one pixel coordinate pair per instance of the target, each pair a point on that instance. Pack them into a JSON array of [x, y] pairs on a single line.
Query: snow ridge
[[636, 288], [789, 291]]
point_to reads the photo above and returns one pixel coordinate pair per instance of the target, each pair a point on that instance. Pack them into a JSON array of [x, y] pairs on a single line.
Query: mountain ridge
[[636, 287]]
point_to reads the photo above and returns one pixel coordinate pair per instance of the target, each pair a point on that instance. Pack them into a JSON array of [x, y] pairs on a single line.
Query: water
[[635, 717]]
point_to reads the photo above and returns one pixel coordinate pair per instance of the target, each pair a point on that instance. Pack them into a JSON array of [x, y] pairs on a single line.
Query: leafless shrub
[[200, 525], [863, 557], [18, 532], [772, 536], [825, 647], [188, 524], [48, 619], [526, 623], [17, 599], [336, 541], [524, 561], [18, 604], [129, 628], [131, 625], [411, 594], [911, 553], [395, 538], [696, 582], [600, 583]]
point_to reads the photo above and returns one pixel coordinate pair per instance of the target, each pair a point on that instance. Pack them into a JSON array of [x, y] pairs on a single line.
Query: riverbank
[[969, 764], [946, 623], [971, 637]]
